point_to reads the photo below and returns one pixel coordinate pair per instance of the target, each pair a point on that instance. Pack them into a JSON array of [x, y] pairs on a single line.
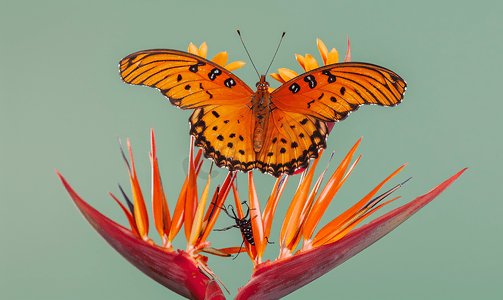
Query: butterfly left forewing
[[331, 92], [187, 80]]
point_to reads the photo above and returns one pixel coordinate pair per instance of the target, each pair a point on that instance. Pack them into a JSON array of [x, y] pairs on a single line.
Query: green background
[[63, 105]]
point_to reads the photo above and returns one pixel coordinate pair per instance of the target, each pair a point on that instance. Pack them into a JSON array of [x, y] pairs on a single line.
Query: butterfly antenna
[[239, 33], [284, 32]]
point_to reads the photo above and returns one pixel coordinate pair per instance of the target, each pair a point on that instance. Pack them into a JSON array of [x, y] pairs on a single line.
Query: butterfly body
[[276, 132], [260, 110]]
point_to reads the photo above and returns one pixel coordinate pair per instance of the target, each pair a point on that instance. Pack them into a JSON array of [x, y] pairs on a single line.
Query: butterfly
[[276, 132]]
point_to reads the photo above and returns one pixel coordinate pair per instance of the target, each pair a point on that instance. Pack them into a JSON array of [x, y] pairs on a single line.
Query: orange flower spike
[[129, 216], [348, 53], [310, 63], [198, 218], [250, 249], [203, 49], [368, 209], [140, 210], [272, 203], [178, 214], [159, 204], [222, 195], [355, 220], [191, 198], [166, 216], [327, 194], [193, 49], [308, 207], [323, 50], [221, 58], [325, 233], [256, 218], [293, 216], [237, 202]]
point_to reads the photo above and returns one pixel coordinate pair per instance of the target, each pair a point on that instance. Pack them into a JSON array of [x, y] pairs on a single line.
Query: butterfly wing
[[332, 92], [187, 80], [292, 139], [224, 132], [221, 121], [302, 107]]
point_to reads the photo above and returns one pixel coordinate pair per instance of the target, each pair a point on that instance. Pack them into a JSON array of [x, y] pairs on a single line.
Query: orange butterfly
[[276, 131]]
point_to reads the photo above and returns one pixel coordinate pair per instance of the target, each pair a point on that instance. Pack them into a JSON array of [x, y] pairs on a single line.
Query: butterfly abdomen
[[261, 109]]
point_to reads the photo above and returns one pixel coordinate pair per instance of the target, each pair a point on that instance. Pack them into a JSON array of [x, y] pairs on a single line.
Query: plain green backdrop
[[63, 105]]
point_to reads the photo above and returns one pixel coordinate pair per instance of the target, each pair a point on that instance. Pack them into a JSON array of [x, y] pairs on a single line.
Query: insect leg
[[226, 228]]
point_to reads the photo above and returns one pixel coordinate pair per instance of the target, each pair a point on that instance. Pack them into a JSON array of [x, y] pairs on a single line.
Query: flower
[[308, 62], [219, 59], [186, 272]]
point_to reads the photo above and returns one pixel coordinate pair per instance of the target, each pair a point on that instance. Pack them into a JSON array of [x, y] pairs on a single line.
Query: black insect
[[243, 224]]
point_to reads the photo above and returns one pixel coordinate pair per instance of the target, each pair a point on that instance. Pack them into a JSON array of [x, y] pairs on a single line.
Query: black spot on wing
[[294, 88], [229, 82]]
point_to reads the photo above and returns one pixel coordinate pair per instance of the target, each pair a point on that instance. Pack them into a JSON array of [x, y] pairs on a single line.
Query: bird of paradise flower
[[187, 273]]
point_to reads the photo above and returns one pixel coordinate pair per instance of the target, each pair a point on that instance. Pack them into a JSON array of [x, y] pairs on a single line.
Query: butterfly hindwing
[[188, 81], [292, 140], [224, 132], [331, 92]]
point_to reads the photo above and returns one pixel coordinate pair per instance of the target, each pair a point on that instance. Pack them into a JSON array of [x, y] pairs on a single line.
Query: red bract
[[175, 270], [187, 273], [273, 280]]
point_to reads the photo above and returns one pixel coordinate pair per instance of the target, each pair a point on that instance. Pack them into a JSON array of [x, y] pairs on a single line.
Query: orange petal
[[250, 249], [159, 204], [350, 225], [129, 216], [140, 210], [287, 74], [256, 218], [220, 59], [272, 203], [191, 201], [326, 232], [193, 49], [291, 224], [232, 250], [222, 196], [310, 63], [301, 60], [277, 77], [333, 57], [235, 65], [198, 217], [203, 49], [327, 194], [179, 213], [323, 50]]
